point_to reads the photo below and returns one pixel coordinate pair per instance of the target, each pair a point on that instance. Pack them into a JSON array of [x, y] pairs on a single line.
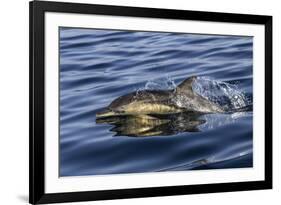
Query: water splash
[[166, 83], [226, 95]]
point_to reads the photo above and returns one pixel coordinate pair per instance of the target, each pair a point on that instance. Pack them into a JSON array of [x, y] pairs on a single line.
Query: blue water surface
[[97, 66]]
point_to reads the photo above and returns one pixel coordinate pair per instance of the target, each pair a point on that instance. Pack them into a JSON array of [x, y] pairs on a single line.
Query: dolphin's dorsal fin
[[186, 85]]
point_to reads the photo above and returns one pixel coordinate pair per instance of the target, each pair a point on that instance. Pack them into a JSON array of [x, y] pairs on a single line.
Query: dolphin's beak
[[105, 113]]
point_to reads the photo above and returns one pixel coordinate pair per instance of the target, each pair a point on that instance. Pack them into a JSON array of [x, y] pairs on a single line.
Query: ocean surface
[[97, 66]]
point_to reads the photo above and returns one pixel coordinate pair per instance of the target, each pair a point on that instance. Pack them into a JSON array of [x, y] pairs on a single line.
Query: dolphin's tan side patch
[[150, 108]]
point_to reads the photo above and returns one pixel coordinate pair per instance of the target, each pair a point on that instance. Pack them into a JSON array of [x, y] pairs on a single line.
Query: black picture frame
[[37, 194]]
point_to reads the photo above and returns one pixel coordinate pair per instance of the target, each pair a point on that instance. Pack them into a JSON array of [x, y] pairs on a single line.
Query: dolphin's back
[[145, 96], [153, 95]]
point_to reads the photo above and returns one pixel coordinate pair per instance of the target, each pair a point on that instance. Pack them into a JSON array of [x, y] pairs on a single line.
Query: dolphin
[[147, 102]]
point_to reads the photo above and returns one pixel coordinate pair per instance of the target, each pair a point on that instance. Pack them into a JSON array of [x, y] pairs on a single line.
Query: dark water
[[97, 66]]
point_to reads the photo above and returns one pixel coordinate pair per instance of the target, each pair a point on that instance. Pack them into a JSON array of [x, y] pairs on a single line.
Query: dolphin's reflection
[[153, 125]]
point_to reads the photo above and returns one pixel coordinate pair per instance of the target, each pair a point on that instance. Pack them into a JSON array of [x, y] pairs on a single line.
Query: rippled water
[[97, 66]]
